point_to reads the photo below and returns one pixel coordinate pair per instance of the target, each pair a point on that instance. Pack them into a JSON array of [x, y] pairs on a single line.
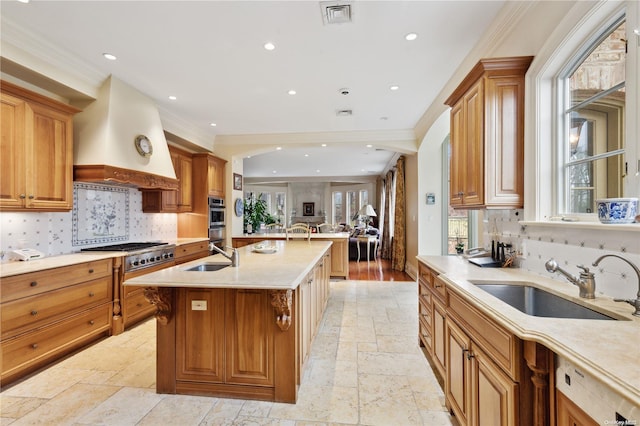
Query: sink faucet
[[586, 282], [234, 257], [635, 303]]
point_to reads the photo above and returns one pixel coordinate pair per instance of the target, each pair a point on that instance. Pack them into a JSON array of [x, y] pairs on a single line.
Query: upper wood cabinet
[[37, 151], [155, 201], [487, 135], [210, 173]]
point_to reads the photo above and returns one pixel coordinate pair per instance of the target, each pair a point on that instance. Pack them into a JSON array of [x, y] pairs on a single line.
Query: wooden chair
[[297, 231], [301, 224], [274, 227]]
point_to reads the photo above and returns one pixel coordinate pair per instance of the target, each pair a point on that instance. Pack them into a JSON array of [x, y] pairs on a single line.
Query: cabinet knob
[[31, 196], [33, 283], [470, 355], [34, 313], [461, 193], [91, 271], [23, 196], [91, 322], [91, 294], [34, 346]]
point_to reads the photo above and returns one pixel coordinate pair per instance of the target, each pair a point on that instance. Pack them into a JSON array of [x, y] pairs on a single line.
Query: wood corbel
[[281, 300], [161, 297]]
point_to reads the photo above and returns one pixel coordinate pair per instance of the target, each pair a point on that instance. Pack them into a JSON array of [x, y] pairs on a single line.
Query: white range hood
[[104, 140]]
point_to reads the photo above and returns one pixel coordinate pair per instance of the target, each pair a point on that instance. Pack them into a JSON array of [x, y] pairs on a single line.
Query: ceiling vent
[[344, 112], [335, 12]]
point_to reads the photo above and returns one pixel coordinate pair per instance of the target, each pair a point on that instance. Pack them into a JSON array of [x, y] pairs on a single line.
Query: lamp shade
[[367, 211]]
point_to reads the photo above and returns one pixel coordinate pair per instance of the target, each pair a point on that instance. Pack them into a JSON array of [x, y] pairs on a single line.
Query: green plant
[[255, 212]]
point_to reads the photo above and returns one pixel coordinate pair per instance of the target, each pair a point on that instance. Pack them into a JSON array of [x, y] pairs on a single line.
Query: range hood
[[105, 134]]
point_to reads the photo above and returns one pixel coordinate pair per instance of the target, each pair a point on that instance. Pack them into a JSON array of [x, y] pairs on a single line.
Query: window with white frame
[[337, 210], [593, 91]]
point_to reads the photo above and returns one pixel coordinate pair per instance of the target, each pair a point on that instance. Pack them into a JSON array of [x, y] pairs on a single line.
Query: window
[[364, 198], [593, 89], [337, 208], [352, 207]]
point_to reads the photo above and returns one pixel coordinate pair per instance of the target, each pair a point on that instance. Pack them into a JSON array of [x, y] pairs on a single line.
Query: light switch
[[198, 305]]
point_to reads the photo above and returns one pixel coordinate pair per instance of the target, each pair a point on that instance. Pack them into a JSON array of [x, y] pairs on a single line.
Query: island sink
[[539, 303], [207, 267]]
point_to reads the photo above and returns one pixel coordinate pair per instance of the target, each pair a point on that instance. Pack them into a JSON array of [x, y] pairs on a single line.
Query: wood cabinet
[[207, 180], [36, 170], [487, 135], [49, 313], [156, 201], [191, 251], [569, 414], [432, 314]]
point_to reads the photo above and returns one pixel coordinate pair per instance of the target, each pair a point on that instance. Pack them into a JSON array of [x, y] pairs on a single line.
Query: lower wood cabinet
[[569, 414], [191, 251], [49, 313]]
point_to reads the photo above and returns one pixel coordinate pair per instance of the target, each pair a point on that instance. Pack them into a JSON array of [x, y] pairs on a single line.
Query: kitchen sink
[[207, 267], [539, 303]]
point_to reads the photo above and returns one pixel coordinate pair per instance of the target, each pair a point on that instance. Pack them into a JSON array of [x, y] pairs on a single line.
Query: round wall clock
[[239, 207], [143, 146]]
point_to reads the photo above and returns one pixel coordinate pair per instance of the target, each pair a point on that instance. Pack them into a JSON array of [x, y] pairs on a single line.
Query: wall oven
[[216, 221]]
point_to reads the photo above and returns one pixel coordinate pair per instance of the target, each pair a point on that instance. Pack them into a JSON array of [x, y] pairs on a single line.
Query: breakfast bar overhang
[[239, 332]]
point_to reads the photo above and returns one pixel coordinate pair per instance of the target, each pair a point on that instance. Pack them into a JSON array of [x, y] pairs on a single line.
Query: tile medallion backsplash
[[53, 233], [100, 214]]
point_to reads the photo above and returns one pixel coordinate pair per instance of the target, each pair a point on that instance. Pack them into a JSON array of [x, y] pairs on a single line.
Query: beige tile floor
[[365, 368]]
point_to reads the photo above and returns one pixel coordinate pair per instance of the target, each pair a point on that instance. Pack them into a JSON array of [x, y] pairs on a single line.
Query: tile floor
[[365, 368]]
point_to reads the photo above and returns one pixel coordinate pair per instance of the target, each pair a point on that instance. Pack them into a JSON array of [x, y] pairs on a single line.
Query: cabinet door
[[569, 414], [473, 159], [200, 335], [184, 194], [340, 258], [215, 177], [12, 147], [494, 394], [49, 154], [249, 330], [458, 155], [438, 335], [458, 387]]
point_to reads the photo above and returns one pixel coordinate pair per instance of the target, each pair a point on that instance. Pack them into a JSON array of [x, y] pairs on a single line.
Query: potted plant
[[255, 213], [459, 246]]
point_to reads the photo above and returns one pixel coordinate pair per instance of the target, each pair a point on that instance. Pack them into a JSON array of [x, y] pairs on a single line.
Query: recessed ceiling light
[[278, 148], [212, 124], [637, 31], [411, 36], [291, 92], [317, 170], [108, 56], [23, 1], [274, 172], [269, 46], [172, 98], [369, 145], [306, 155], [324, 144], [394, 87]]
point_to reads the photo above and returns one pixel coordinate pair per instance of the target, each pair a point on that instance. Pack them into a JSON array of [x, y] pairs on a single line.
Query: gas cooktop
[[125, 247]]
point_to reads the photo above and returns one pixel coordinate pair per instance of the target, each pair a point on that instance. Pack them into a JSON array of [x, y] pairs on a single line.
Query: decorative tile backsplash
[[52, 233], [100, 214], [570, 247]]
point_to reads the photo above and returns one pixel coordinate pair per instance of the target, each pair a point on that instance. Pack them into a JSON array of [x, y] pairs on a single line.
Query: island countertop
[[281, 270]]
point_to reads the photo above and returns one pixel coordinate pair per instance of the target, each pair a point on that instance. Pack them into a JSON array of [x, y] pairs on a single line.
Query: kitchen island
[[339, 248], [239, 332]]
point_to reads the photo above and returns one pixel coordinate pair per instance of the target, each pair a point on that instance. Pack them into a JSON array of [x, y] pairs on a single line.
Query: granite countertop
[[608, 350], [281, 270], [10, 268], [278, 235]]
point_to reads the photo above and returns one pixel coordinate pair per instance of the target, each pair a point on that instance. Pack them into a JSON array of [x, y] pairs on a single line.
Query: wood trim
[[30, 96], [104, 172], [540, 361], [166, 358]]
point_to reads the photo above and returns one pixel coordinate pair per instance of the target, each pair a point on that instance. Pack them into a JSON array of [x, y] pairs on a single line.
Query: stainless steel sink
[[207, 267], [539, 303]]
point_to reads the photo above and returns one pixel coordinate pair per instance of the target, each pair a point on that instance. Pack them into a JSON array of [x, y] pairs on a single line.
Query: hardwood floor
[[378, 270]]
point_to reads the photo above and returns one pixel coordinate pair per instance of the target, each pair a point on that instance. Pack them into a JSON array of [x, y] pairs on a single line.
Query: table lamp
[[368, 212]]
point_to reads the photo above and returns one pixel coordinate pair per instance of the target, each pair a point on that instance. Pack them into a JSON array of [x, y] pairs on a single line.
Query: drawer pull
[[91, 271], [91, 294], [139, 305], [34, 346], [34, 313], [438, 285], [33, 283], [470, 355], [91, 322]]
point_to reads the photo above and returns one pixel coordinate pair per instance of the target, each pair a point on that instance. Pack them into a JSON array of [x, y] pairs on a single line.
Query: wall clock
[[143, 146], [239, 207]]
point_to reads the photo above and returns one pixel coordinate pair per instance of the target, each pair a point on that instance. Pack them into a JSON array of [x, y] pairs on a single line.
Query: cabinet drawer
[[44, 343], [440, 289], [425, 274], [192, 251], [425, 334], [424, 308], [19, 286], [30, 312], [137, 307], [504, 348]]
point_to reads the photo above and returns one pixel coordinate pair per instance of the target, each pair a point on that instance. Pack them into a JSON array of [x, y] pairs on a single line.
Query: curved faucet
[[586, 283], [635, 303], [234, 257]]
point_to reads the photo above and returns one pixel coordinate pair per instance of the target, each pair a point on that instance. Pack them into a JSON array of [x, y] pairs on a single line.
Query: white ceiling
[[210, 55]]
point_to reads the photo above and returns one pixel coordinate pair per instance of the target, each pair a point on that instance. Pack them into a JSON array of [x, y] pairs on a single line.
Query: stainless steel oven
[[216, 212]]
